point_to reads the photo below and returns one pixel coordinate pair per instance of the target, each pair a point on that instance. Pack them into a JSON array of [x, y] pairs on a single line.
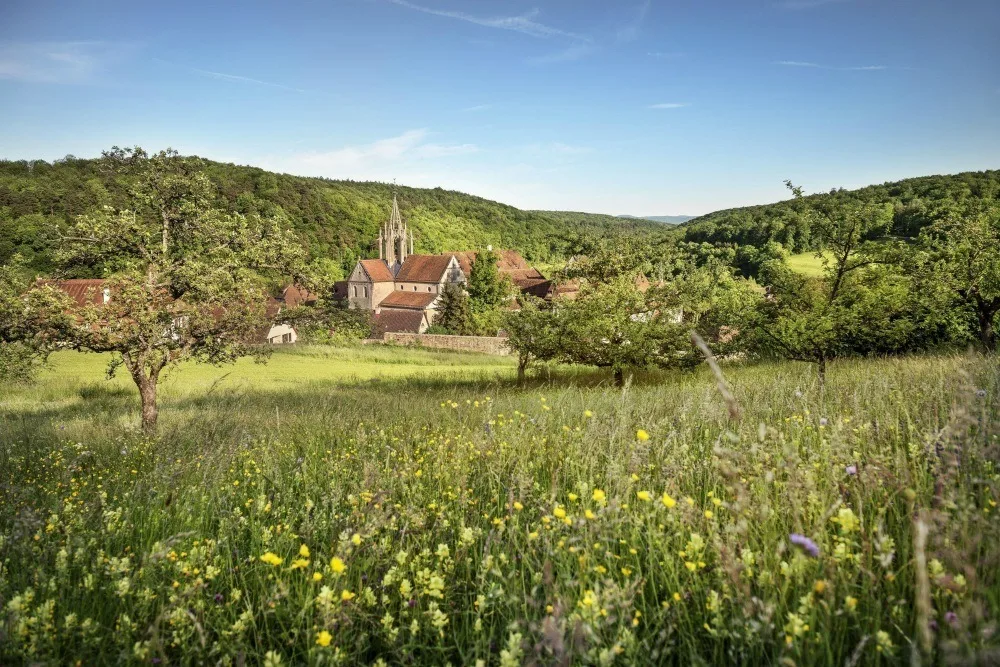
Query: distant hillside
[[916, 203], [578, 216], [665, 219], [338, 220]]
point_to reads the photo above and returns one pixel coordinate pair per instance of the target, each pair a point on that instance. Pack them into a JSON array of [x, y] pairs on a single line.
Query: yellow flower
[[559, 513], [304, 551], [851, 603], [518, 506], [337, 565], [641, 435], [317, 576], [644, 496], [573, 497], [589, 514], [300, 563], [324, 638], [667, 501], [819, 586], [346, 595], [708, 514], [356, 540], [677, 597], [626, 571], [588, 414], [272, 558], [599, 496]]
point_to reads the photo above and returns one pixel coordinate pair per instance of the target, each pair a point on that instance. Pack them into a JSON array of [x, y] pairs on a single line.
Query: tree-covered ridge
[[916, 203], [336, 220]]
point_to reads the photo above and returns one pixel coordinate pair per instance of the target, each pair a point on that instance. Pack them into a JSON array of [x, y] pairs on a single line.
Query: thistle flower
[[851, 470], [804, 543]]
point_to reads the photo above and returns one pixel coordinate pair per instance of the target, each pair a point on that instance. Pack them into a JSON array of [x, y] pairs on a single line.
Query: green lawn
[[375, 505], [806, 263]]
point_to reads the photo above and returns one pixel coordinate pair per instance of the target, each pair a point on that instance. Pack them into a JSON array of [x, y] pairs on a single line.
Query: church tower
[[393, 244]]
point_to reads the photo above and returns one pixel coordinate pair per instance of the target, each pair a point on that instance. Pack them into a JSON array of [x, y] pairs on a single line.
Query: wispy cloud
[[524, 23], [58, 62], [861, 68], [235, 78], [668, 105], [376, 160], [569, 54], [808, 4], [478, 107], [665, 54], [630, 31]]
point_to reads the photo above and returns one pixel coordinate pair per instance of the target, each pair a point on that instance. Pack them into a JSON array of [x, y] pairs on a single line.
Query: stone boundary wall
[[484, 344]]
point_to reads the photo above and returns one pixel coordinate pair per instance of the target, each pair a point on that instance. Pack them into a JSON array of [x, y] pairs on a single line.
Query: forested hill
[[337, 220], [916, 203]]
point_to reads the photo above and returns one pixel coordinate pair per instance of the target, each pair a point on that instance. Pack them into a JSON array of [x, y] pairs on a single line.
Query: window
[[428, 288], [355, 291], [414, 288], [286, 338], [365, 291]]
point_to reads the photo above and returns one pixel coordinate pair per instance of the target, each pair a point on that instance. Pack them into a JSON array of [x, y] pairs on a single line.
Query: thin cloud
[[77, 62], [862, 68], [377, 159], [524, 24], [569, 54], [665, 54], [630, 31], [478, 107], [668, 105], [235, 78]]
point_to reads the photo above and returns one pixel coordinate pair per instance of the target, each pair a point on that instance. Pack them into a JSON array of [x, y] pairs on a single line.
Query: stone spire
[[392, 239]]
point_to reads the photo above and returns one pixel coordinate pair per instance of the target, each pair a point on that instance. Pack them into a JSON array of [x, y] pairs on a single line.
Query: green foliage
[[533, 332], [454, 313], [335, 220], [490, 292], [186, 280]]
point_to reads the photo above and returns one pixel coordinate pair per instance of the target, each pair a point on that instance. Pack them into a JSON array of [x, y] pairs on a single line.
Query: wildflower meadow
[[364, 506]]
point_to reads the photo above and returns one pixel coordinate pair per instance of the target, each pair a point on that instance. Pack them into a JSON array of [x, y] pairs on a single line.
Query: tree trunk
[[987, 335], [821, 369], [619, 377], [147, 392], [522, 365]]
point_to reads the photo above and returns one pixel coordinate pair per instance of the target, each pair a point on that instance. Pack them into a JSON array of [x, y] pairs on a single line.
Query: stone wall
[[484, 344]]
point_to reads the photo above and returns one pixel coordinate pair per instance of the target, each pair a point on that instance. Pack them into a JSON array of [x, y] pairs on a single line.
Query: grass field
[[806, 263], [392, 506]]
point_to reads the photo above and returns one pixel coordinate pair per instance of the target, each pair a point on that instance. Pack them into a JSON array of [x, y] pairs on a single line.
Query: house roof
[[392, 320], [401, 299], [423, 268], [85, 291], [510, 263], [377, 270], [296, 295]]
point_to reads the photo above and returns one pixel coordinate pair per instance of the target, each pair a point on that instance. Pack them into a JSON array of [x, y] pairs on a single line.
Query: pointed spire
[[395, 219]]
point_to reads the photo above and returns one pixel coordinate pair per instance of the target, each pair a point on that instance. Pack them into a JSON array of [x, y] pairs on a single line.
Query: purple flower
[[804, 543], [823, 421], [219, 598], [851, 470], [952, 618], [981, 393]]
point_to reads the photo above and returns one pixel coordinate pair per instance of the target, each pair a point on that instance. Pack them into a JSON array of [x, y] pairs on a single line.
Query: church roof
[[391, 320], [510, 263], [423, 268], [377, 270], [401, 299]]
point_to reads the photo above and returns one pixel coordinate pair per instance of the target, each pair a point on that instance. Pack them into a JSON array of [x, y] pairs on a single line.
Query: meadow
[[374, 505]]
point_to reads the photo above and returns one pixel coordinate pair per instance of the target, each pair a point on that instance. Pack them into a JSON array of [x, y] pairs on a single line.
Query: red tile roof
[[401, 299], [510, 263], [377, 270], [296, 295], [423, 268], [85, 291], [389, 320]]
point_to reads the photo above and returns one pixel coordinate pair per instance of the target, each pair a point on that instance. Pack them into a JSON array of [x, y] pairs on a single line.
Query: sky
[[643, 107]]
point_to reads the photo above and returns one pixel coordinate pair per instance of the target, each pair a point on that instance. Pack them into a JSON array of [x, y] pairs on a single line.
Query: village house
[[402, 289]]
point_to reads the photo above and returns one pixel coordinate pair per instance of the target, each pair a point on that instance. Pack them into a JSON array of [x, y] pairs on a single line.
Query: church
[[402, 289]]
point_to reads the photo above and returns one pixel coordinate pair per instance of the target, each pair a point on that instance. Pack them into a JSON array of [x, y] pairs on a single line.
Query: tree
[[31, 321], [532, 333], [186, 281], [960, 253], [618, 326], [453, 313], [489, 292], [813, 320]]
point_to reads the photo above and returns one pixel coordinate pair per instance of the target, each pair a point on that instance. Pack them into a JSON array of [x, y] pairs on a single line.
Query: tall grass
[[301, 513]]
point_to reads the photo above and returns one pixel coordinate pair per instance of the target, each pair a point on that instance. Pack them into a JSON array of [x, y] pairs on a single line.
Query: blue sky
[[649, 107]]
